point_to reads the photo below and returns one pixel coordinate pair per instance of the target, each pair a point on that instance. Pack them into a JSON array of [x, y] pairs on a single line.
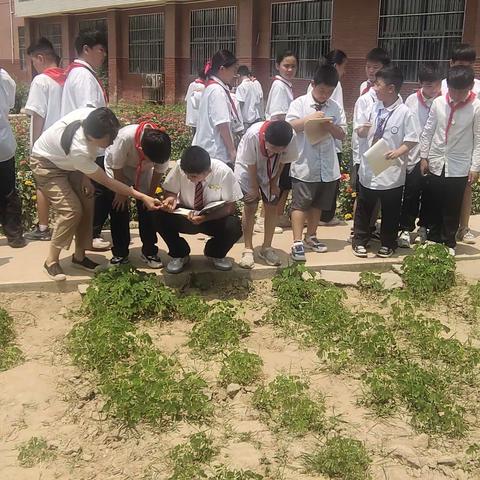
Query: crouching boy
[[194, 183]]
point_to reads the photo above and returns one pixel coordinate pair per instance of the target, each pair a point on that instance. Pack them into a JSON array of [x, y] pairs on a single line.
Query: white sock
[[42, 228]]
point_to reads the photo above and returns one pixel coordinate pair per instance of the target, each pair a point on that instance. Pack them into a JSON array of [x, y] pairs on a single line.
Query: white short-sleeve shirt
[[82, 154], [251, 99], [279, 98], [8, 145], [45, 99], [219, 185], [250, 153], [398, 128], [215, 109], [362, 113], [192, 100], [460, 152], [123, 155], [81, 90], [316, 163]]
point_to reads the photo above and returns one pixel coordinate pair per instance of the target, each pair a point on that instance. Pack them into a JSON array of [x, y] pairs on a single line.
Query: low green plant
[[188, 459], [221, 330], [10, 354], [35, 451], [371, 283], [286, 403], [224, 473], [474, 296], [428, 272], [341, 457], [243, 368], [192, 308]]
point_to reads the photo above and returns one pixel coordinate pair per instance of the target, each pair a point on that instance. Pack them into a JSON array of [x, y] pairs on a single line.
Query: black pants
[[390, 202], [10, 202], [327, 215], [447, 197], [225, 232], [416, 200], [102, 203], [120, 229]]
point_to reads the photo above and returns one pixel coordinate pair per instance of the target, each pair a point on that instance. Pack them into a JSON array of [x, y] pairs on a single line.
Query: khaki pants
[[73, 209]]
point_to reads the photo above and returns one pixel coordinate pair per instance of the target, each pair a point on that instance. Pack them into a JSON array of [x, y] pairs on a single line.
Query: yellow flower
[[29, 183], [354, 194], [348, 216], [158, 190], [34, 197]]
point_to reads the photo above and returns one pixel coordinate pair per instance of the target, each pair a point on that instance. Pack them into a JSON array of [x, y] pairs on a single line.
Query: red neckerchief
[[421, 99], [367, 88], [232, 103], [138, 146], [199, 80], [263, 150], [453, 108], [74, 65], [281, 79], [57, 74]]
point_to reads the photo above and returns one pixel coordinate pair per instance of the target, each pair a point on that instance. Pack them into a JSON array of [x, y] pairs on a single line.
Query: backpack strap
[[68, 134]]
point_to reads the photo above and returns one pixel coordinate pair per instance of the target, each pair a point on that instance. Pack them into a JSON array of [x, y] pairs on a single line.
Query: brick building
[[155, 47]]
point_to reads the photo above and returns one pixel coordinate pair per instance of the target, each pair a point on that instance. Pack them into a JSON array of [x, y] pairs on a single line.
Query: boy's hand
[[472, 177], [314, 116], [87, 187], [274, 188], [362, 131], [169, 204], [119, 202], [195, 218], [152, 203], [393, 154], [424, 166], [253, 194]]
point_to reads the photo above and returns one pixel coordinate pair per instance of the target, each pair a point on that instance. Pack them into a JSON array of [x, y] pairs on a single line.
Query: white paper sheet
[[375, 157]]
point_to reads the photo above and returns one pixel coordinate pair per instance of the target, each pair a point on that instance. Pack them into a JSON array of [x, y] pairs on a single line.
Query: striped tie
[[198, 203]]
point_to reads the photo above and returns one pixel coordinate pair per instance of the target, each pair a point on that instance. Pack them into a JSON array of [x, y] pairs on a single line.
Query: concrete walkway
[[21, 269]]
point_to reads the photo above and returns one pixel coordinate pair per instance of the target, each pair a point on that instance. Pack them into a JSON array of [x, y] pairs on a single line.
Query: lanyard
[[381, 125], [138, 146], [453, 108], [232, 103], [281, 79], [74, 65], [263, 149]]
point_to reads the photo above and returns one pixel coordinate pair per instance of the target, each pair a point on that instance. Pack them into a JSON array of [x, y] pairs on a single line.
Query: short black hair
[[284, 54], [222, 58], [463, 52], [43, 47], [156, 145], [429, 72], [335, 57], [279, 133], [460, 77], [90, 38], [378, 55], [391, 75], [195, 160], [326, 74], [244, 71], [100, 123]]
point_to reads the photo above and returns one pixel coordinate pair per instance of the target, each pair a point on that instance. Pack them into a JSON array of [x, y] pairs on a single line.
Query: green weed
[[192, 308], [219, 331], [474, 295], [223, 473], [10, 355], [371, 283], [340, 457], [286, 403], [243, 368], [35, 451], [428, 272]]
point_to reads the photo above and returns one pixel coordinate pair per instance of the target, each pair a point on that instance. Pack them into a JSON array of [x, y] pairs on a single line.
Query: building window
[[53, 31], [211, 29], [99, 24], [417, 30], [306, 29], [146, 38], [21, 47]]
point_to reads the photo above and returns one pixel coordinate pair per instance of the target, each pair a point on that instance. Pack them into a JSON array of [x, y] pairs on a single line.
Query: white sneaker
[[247, 260], [312, 243], [176, 265], [259, 227], [451, 251], [468, 237], [404, 239], [100, 244], [223, 264], [270, 257], [332, 223], [153, 261], [421, 235]]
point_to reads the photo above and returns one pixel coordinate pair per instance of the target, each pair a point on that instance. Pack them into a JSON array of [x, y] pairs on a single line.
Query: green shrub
[[223, 473], [35, 451], [10, 354], [241, 367], [370, 282]]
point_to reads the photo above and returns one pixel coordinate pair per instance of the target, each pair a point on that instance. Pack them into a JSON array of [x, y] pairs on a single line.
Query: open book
[[211, 207], [315, 129]]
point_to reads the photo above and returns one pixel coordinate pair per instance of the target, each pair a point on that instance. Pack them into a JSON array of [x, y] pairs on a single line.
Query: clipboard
[[375, 157], [315, 131]]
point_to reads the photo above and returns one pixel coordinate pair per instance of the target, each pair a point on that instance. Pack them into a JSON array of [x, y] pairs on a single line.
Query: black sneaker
[[385, 252], [360, 251], [37, 234], [119, 261], [55, 272], [17, 242], [86, 264], [153, 261]]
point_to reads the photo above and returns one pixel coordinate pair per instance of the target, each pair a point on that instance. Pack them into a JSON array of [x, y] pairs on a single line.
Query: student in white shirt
[[43, 106], [138, 157], [63, 163], [416, 195], [218, 116], [464, 54], [265, 148], [250, 98], [194, 183], [393, 122], [450, 151], [315, 173], [279, 99], [10, 201], [83, 89], [192, 100]]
